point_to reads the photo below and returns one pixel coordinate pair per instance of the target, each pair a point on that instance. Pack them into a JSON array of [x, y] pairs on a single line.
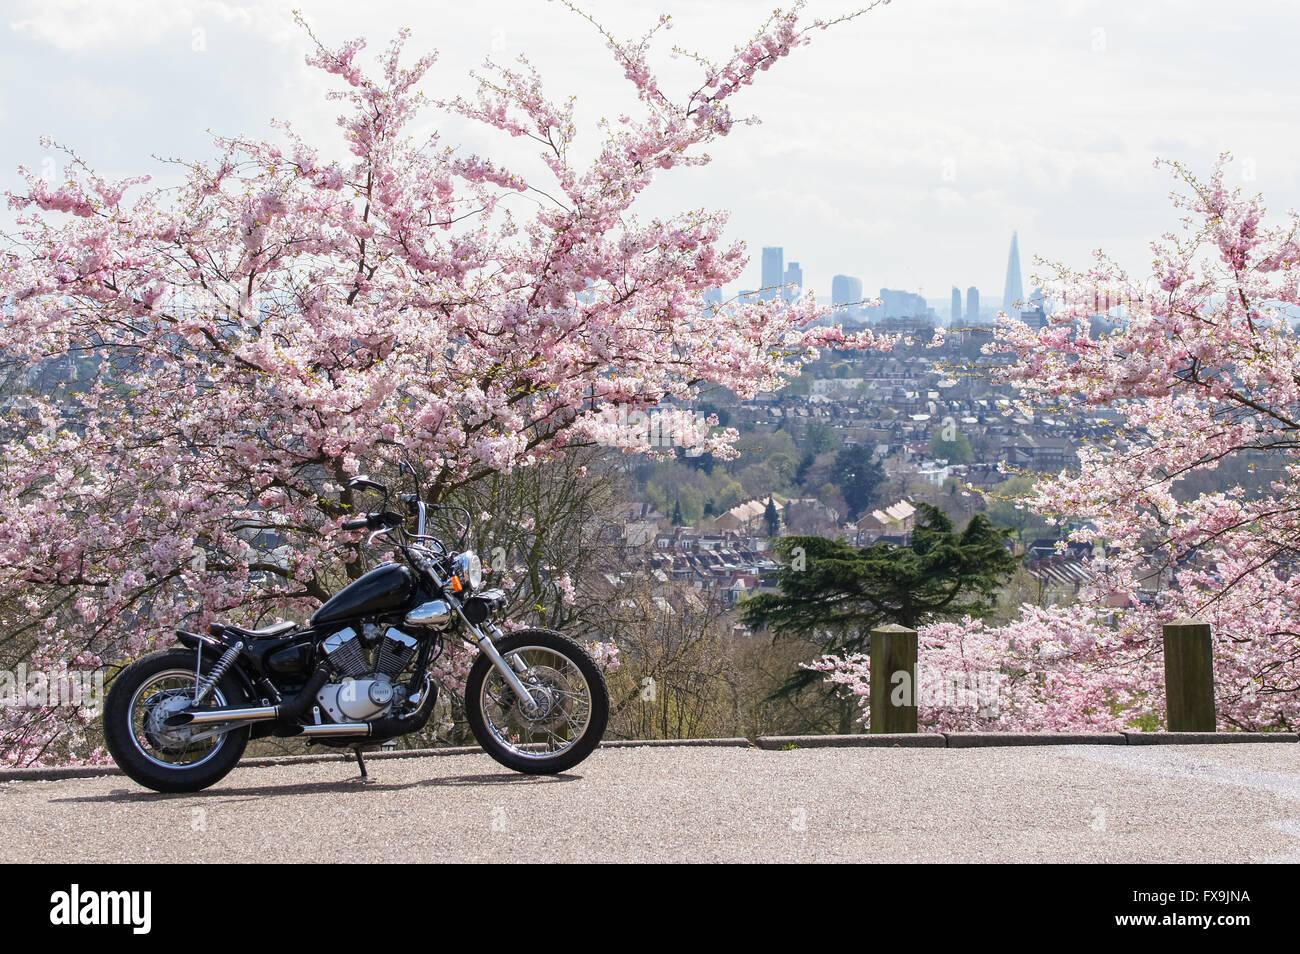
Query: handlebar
[[373, 521], [414, 545]]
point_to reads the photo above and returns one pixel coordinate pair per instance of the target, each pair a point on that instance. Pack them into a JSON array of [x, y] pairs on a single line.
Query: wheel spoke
[[558, 686], [171, 747]]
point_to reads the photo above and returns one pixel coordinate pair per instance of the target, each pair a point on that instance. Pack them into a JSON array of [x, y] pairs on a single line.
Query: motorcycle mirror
[[406, 468], [361, 480]]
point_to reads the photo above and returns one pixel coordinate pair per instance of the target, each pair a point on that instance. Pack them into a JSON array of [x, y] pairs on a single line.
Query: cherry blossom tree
[[1199, 365], [283, 320]]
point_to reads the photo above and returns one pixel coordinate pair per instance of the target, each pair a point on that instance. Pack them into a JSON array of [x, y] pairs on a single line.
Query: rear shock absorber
[[225, 662]]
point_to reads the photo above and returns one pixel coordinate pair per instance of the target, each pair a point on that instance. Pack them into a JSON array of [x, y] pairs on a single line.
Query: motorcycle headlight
[[470, 570]]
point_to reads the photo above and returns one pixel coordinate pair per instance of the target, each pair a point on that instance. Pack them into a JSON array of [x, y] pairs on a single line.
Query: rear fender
[[213, 648]]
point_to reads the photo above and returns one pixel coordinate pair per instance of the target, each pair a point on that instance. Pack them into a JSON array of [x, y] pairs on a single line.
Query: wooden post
[[1189, 676], [893, 679]]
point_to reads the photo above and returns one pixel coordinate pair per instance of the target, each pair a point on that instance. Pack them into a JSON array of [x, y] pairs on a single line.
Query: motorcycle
[[178, 720]]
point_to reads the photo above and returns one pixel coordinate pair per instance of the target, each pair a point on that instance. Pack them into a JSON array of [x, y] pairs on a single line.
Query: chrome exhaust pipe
[[340, 728], [262, 714], [210, 716], [288, 709]]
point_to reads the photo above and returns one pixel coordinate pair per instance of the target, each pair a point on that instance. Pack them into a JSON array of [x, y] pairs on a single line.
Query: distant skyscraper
[[956, 307], [972, 305], [713, 296], [1035, 314], [773, 271], [845, 290], [901, 304], [1014, 292], [794, 279]]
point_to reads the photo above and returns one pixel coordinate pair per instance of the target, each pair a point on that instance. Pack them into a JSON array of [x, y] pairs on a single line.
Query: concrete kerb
[[659, 743], [1207, 738], [55, 774], [951, 740], [888, 740], [972, 740]]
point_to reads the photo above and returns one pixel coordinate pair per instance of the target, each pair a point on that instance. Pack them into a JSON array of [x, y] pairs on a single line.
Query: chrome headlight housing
[[469, 568]]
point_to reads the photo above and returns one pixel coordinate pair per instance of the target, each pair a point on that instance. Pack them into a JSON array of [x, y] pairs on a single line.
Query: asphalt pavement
[[1085, 803]]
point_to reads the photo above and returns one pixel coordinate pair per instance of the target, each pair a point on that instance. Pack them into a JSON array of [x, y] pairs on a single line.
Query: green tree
[[805, 464], [950, 445], [772, 518], [725, 491], [1004, 505], [858, 475], [784, 468], [677, 515], [819, 438], [835, 594], [758, 447], [758, 480]]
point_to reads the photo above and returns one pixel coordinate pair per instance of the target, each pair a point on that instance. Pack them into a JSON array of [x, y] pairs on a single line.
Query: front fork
[[510, 671]]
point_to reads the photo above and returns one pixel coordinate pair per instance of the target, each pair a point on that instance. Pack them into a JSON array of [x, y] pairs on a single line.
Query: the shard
[[1014, 292]]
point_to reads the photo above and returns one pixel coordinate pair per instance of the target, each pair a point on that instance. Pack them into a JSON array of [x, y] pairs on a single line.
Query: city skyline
[[895, 303], [865, 163]]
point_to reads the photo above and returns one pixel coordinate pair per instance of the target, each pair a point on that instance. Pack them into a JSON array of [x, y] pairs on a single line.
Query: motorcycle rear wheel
[[572, 696], [162, 758]]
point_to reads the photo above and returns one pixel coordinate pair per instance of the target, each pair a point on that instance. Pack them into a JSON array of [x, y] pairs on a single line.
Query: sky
[[903, 147]]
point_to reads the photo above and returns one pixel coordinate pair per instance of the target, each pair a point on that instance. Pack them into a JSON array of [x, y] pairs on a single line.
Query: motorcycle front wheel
[[168, 759], [571, 704]]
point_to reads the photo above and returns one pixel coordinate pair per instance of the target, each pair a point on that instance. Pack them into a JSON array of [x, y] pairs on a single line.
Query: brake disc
[[547, 691], [166, 738]]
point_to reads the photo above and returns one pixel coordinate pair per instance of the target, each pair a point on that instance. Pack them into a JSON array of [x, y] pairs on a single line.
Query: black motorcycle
[[178, 720]]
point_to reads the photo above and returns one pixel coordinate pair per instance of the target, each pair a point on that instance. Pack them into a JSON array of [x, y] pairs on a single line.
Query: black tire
[[128, 744], [480, 689]]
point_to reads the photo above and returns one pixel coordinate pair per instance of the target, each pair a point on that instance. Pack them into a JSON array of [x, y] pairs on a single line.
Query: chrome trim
[[253, 714], [436, 613], [339, 728], [336, 639], [467, 564], [417, 700], [488, 648]]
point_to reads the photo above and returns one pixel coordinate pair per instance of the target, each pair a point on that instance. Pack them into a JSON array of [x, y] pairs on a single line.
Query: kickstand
[[361, 764]]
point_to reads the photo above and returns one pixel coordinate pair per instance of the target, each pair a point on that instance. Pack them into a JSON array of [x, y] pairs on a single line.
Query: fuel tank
[[387, 588]]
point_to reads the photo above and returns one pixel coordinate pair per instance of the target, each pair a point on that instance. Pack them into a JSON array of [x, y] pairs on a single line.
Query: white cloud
[[903, 147], [75, 26]]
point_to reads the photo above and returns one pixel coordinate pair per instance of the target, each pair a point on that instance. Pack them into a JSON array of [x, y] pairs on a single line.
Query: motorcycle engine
[[370, 661]]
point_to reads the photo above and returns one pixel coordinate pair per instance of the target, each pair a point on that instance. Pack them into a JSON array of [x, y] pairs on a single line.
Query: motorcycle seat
[[266, 632]]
